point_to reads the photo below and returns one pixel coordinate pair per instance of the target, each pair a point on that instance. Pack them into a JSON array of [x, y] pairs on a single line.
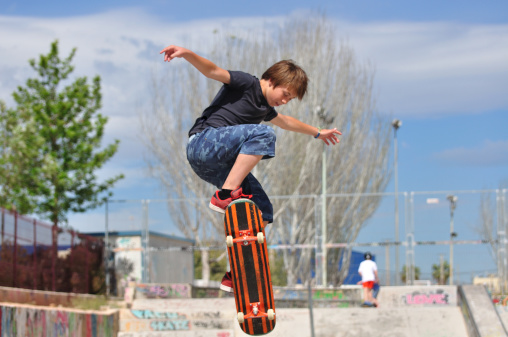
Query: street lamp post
[[325, 120], [396, 125], [453, 204]]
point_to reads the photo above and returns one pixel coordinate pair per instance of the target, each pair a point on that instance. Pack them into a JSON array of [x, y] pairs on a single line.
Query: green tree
[[441, 273], [19, 146], [64, 151], [416, 271]]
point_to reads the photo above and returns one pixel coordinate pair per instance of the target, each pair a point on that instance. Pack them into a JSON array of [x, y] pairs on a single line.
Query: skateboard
[[368, 304], [250, 271]]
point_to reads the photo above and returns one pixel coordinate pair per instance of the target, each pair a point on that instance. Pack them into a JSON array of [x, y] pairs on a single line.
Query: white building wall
[[129, 247]]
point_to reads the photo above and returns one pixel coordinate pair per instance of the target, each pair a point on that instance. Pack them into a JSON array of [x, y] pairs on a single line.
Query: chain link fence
[[37, 255], [427, 237]]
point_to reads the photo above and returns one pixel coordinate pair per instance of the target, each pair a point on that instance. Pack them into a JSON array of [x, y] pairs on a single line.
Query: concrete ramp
[[485, 320], [368, 322], [217, 317]]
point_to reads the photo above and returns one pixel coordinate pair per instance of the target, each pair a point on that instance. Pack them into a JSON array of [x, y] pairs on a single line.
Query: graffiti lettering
[[212, 324], [223, 334], [150, 314], [197, 333], [417, 298], [170, 325], [328, 295], [163, 291], [215, 314], [127, 243]]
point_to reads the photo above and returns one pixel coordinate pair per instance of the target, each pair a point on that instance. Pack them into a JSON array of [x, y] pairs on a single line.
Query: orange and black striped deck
[[249, 266]]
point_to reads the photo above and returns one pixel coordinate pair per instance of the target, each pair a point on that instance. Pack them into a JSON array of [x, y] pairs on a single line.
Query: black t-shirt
[[239, 102]]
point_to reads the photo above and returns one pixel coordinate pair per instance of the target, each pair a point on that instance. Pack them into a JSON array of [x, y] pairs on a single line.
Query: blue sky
[[441, 67]]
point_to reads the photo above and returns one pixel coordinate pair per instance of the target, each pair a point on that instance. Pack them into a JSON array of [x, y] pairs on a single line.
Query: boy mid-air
[[228, 141]]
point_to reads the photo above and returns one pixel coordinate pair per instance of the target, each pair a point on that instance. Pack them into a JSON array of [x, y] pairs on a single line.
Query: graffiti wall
[[30, 321], [205, 333], [185, 317], [322, 298], [418, 296], [502, 310], [163, 291]]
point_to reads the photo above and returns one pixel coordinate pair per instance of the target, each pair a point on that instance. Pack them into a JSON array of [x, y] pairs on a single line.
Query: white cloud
[[490, 153], [434, 68], [422, 68]]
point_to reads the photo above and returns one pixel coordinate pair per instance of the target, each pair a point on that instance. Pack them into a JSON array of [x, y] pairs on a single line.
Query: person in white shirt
[[368, 272]]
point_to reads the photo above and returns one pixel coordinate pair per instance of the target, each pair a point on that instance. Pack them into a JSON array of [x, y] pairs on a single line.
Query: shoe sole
[[216, 208], [226, 288], [221, 210]]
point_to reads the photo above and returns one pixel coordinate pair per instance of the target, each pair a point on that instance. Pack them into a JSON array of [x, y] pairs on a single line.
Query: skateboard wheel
[[229, 241], [240, 318], [261, 237], [270, 314]]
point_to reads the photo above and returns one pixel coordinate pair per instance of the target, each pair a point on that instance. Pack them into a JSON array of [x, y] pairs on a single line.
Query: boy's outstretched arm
[[329, 136], [205, 66]]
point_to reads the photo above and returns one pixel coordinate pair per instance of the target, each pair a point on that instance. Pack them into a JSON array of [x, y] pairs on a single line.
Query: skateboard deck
[[250, 271]]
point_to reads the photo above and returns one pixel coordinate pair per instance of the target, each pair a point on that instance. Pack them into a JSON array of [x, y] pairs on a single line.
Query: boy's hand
[[329, 136], [173, 51]]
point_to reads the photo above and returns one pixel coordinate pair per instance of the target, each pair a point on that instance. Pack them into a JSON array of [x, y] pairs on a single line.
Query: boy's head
[[287, 73]]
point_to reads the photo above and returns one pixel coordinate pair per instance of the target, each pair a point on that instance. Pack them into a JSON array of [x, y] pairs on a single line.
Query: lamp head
[[396, 123]]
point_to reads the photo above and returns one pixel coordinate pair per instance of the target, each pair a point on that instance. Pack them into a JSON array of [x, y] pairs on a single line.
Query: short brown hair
[[288, 73]]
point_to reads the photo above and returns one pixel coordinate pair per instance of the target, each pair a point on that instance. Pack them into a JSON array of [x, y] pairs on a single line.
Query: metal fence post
[[35, 256], [3, 225], [15, 251], [87, 268], [502, 223], [54, 231], [145, 242], [106, 249], [410, 239], [319, 246]]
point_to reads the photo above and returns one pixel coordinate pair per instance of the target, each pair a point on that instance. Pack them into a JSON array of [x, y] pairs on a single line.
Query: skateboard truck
[[245, 238], [256, 312]]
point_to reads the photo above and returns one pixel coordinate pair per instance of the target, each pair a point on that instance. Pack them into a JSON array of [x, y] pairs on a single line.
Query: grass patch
[[94, 303]]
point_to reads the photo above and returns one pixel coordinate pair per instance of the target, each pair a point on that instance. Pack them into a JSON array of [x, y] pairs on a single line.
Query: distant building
[[170, 259], [492, 282]]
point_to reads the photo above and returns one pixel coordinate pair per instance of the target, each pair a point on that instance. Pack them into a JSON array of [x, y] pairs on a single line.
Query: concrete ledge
[[486, 319], [39, 297], [29, 320]]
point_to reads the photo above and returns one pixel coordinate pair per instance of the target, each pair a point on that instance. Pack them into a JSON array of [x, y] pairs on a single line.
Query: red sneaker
[[220, 206], [227, 283]]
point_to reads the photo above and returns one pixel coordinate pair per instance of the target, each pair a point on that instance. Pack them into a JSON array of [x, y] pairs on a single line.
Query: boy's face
[[280, 95]]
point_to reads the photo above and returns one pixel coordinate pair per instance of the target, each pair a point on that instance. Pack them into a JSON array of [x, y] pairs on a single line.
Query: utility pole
[[396, 125], [323, 116], [387, 258], [453, 204]]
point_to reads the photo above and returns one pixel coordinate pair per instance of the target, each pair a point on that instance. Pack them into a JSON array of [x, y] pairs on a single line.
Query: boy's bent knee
[[265, 132]]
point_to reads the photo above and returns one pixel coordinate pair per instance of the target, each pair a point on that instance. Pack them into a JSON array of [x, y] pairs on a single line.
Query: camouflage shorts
[[212, 153]]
